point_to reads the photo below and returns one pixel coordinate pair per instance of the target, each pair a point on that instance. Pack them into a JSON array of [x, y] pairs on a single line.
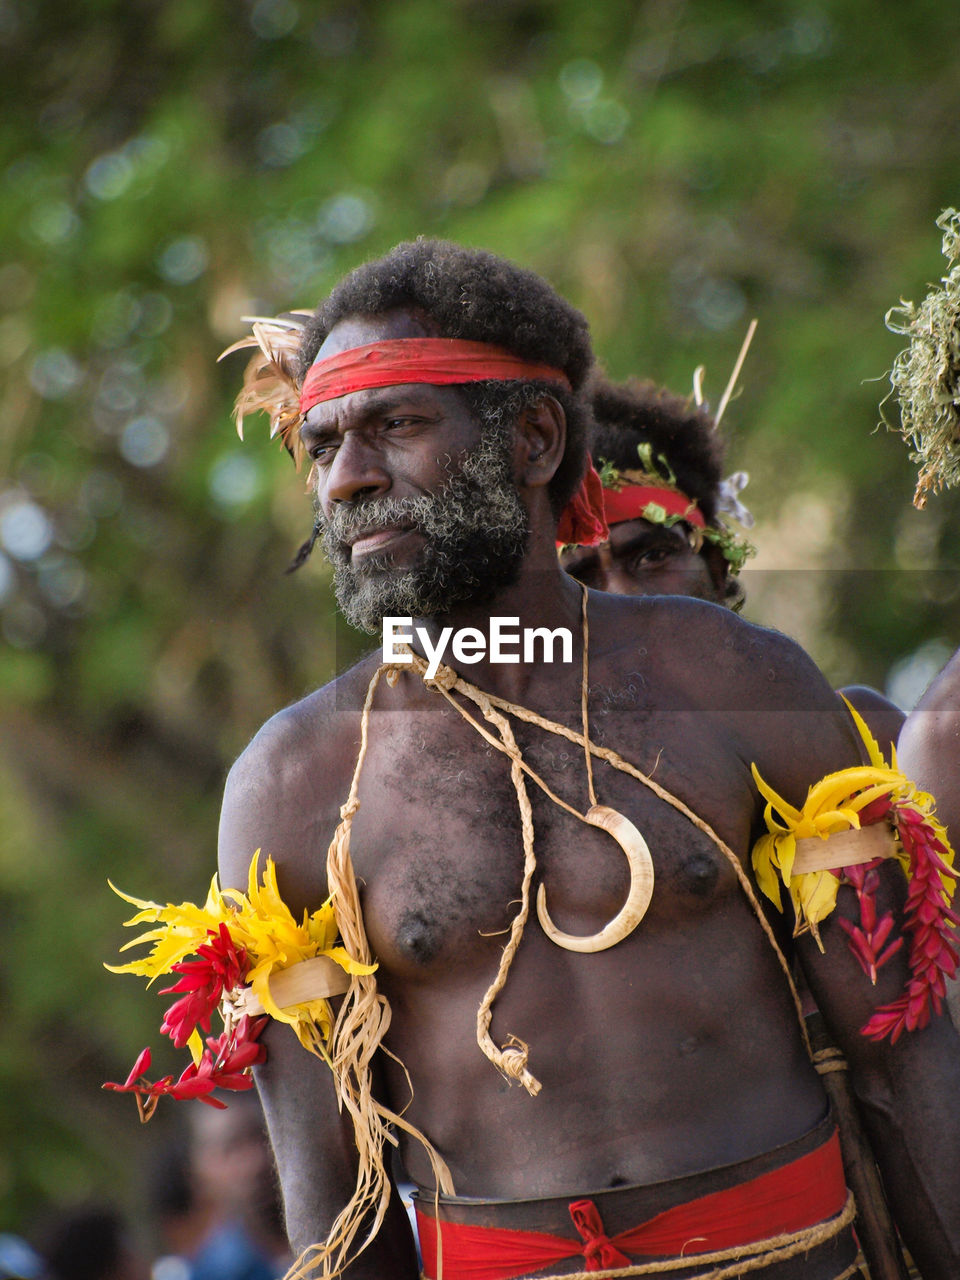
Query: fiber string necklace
[[511, 1058]]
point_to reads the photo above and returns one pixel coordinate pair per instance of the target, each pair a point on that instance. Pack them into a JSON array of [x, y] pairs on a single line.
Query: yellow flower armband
[[849, 823], [250, 959]]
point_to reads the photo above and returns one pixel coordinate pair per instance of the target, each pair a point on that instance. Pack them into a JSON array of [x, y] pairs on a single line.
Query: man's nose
[[356, 472]]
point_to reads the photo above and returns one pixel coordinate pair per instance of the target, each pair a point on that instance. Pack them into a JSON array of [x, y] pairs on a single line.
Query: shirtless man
[[671, 1063], [699, 555]]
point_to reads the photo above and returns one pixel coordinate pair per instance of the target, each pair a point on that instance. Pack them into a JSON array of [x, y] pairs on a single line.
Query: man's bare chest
[[439, 842]]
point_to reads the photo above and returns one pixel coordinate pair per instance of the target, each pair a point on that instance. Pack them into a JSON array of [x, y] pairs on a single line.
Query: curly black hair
[[638, 412], [475, 295]]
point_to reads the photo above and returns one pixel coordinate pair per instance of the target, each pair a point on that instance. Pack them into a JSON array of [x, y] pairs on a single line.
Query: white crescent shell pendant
[[638, 899]]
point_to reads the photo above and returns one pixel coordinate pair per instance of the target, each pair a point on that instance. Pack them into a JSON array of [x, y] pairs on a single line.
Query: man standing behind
[[661, 466], [669, 508], [629, 1050]]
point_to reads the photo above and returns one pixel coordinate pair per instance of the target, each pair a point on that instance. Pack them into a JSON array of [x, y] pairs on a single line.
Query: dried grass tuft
[[925, 377]]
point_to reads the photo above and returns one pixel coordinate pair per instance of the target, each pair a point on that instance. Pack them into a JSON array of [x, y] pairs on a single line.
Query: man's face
[[419, 507], [643, 558]]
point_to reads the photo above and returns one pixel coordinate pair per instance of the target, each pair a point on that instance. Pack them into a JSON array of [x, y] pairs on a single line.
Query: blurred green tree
[[168, 166]]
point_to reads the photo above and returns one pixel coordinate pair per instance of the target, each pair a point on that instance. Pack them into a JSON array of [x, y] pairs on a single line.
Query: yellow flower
[[183, 927], [265, 925], [262, 924], [833, 804]]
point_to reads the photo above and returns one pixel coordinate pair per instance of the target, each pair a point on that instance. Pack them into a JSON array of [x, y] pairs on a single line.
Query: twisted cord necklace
[[511, 1058]]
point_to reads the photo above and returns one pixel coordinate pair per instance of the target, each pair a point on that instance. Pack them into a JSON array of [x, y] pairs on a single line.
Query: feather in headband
[[270, 382]]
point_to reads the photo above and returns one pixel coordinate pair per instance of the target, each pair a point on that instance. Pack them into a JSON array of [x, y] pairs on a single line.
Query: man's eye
[[321, 452], [651, 557]]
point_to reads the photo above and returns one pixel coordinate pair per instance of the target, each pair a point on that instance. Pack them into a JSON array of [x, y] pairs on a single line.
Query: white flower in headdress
[[728, 500]]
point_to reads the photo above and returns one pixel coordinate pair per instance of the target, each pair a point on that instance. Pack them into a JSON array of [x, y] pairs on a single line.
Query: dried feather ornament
[[925, 376], [270, 381], [735, 548], [271, 386]]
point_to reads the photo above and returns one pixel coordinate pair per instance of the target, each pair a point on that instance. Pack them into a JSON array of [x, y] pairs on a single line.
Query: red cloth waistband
[[439, 361], [630, 502], [803, 1193]]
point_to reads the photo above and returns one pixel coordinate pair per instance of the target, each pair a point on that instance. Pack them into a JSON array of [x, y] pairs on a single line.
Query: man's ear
[[540, 441]]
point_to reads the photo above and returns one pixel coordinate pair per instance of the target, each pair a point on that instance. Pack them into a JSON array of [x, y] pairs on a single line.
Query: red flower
[[867, 939], [930, 922], [225, 1064], [141, 1065], [876, 810], [147, 1094], [221, 967]]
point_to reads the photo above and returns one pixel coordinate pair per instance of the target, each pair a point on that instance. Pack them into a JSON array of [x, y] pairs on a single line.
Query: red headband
[[439, 361], [447, 362], [630, 502]]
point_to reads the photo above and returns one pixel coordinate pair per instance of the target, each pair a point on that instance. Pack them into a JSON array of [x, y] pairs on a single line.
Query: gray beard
[[475, 532]]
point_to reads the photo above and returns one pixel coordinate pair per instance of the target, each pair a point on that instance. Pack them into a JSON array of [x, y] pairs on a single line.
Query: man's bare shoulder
[[721, 656], [307, 731], [758, 692], [283, 792]]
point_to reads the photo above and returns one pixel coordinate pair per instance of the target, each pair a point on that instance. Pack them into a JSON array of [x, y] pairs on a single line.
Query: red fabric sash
[[439, 361], [628, 504], [807, 1191]]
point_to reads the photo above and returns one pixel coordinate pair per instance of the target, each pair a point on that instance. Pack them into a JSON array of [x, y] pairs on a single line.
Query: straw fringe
[[361, 1025], [925, 378]]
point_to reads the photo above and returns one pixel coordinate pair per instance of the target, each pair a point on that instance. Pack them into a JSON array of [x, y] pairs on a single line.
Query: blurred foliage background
[[674, 167]]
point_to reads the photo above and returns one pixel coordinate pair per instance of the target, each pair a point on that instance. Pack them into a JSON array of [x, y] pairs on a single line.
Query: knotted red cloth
[[598, 1249], [398, 361], [582, 520], [629, 502], [802, 1193]]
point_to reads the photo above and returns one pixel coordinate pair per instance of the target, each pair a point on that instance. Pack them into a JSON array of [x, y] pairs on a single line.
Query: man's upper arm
[[282, 798], [250, 806], [929, 744], [274, 804]]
